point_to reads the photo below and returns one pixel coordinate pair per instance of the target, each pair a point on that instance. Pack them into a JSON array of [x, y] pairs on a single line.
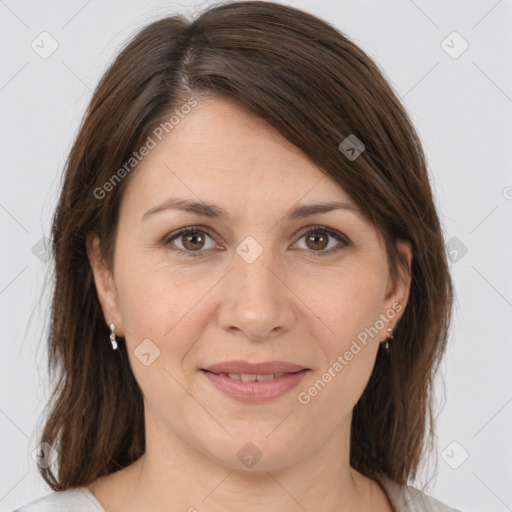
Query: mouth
[[244, 368], [252, 377], [255, 388]]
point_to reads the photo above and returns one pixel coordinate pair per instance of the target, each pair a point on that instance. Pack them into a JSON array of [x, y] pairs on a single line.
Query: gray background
[[461, 104]]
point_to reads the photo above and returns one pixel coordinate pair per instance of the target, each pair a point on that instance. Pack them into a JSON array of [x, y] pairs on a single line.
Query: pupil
[[191, 238], [314, 238], [197, 239]]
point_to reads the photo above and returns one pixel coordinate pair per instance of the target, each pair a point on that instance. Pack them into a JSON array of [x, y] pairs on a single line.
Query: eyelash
[[313, 254]]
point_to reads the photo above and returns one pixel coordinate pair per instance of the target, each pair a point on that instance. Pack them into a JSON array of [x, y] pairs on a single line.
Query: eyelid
[[331, 232], [183, 231], [343, 240]]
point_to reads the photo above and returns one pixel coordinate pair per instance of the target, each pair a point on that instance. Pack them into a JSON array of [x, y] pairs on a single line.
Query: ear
[[105, 286], [398, 289]]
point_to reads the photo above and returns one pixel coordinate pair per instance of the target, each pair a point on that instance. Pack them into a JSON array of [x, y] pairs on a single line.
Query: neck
[[173, 475]]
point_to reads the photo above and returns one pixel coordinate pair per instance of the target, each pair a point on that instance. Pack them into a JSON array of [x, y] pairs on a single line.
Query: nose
[[256, 301]]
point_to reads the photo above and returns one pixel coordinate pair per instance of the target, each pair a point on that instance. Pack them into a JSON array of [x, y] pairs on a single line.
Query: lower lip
[[256, 391]]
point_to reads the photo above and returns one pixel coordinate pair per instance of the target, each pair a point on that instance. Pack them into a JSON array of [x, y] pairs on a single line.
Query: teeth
[[265, 377], [250, 377]]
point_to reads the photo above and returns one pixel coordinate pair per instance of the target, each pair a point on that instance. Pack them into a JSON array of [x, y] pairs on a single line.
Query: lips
[[250, 390], [240, 367]]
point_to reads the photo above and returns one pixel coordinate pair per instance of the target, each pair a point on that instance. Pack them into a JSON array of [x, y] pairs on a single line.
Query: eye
[[194, 238], [318, 238]]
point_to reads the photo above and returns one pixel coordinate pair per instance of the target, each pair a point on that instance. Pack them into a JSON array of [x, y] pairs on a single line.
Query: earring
[[389, 336], [113, 337]]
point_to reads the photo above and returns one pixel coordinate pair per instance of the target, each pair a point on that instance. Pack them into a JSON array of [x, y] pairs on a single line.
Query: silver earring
[[113, 337], [389, 336]]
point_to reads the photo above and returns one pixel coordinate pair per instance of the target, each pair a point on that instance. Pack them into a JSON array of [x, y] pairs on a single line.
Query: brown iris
[[193, 238], [316, 239]]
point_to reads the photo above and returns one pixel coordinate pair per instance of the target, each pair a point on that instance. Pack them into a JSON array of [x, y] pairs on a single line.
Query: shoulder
[[410, 499], [77, 499]]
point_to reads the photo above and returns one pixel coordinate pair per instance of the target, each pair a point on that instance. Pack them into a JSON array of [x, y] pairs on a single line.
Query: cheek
[[349, 346], [349, 303], [150, 292], [349, 308], [158, 316], [156, 303]]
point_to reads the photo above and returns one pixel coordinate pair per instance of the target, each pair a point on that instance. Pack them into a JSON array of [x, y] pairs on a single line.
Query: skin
[[285, 305]]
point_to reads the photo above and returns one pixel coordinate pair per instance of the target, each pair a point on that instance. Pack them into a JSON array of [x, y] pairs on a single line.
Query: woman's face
[[256, 283]]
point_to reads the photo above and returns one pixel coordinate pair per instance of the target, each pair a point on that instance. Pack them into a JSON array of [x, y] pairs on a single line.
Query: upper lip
[[266, 368]]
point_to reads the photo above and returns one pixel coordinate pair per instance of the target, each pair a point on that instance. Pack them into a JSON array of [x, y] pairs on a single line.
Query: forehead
[[221, 153]]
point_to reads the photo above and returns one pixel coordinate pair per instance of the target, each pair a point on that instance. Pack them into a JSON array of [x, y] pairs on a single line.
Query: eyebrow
[[213, 211]]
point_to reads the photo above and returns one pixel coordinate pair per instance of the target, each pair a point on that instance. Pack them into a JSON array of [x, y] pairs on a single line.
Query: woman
[[252, 295]]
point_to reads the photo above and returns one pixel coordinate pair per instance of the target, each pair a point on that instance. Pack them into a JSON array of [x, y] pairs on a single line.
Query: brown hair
[[316, 87]]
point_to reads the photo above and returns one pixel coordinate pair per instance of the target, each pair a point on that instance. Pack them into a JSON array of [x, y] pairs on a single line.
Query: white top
[[81, 499]]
